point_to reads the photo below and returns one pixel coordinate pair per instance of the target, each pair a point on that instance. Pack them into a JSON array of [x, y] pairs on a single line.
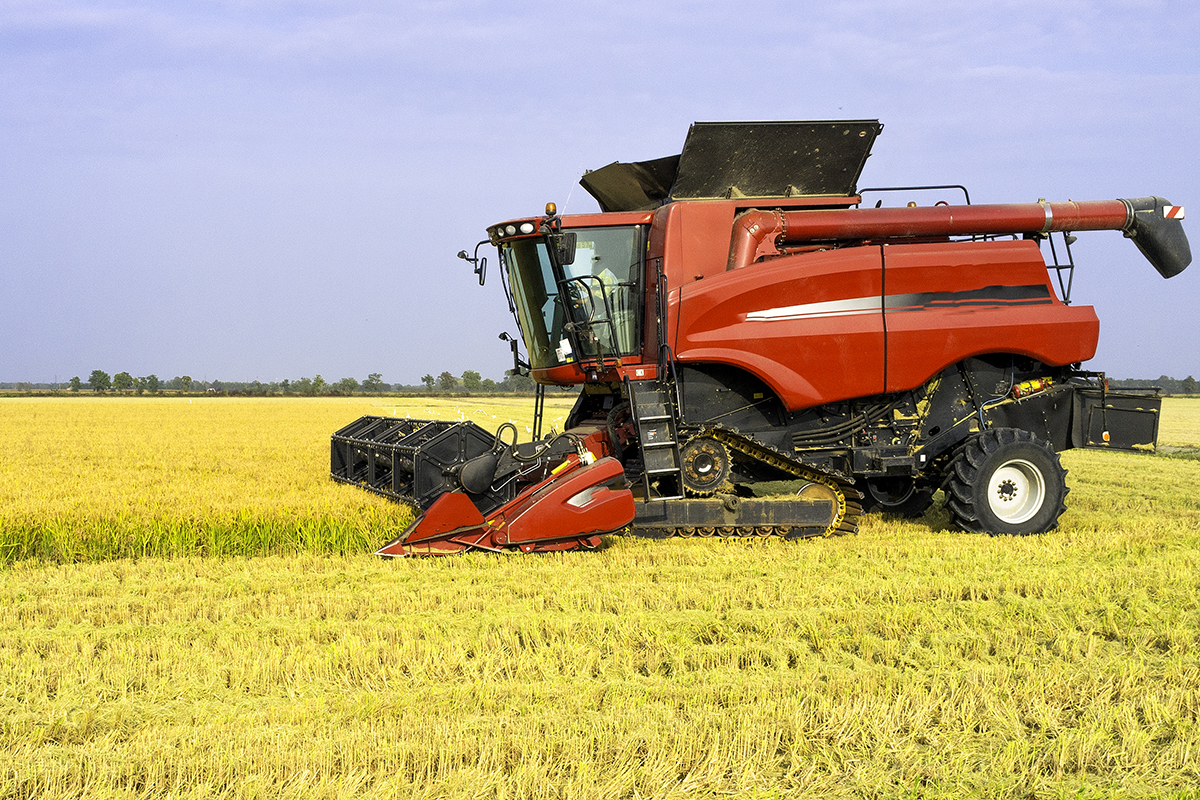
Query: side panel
[[1116, 420], [703, 238], [948, 301], [810, 325]]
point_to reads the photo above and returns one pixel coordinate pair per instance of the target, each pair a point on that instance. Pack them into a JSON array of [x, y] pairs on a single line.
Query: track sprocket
[[839, 488], [705, 464]]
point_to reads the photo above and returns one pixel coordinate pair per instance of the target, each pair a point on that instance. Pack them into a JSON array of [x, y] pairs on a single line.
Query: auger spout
[[1155, 227]]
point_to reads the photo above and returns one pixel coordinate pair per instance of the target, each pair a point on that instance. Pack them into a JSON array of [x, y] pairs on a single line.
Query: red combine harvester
[[736, 317]]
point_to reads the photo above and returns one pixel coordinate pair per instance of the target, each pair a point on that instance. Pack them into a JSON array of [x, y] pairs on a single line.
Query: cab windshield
[[586, 309]]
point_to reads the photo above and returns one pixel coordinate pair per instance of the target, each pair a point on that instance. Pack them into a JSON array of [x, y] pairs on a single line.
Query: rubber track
[[849, 506], [731, 532], [845, 521]]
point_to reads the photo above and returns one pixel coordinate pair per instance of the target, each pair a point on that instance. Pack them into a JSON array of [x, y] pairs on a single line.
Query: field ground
[[907, 661]]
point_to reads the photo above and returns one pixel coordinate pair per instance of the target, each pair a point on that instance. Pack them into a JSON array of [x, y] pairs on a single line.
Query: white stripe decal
[[829, 308], [986, 296]]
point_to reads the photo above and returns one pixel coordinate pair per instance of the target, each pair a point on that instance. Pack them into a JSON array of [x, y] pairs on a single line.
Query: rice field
[[240, 659], [102, 478]]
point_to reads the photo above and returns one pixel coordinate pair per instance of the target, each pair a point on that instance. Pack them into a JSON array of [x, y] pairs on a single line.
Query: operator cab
[[577, 287]]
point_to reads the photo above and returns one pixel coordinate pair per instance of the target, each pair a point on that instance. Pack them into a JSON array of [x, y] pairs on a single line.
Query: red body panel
[[830, 325], [824, 325], [693, 238], [811, 326], [950, 301], [573, 374], [609, 218], [447, 526], [574, 506]]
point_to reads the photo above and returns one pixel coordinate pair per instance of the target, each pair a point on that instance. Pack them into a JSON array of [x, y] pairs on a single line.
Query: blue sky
[[271, 190]]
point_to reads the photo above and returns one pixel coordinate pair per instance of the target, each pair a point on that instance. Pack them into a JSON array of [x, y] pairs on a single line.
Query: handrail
[[966, 194]]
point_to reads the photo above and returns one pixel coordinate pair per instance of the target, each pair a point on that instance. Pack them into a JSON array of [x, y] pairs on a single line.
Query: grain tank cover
[[773, 159], [743, 159], [638, 186]]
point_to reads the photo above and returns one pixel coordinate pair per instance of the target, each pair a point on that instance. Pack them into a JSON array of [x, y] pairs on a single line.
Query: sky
[[268, 190]]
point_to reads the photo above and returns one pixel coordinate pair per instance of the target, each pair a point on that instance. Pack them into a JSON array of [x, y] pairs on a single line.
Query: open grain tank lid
[[743, 159]]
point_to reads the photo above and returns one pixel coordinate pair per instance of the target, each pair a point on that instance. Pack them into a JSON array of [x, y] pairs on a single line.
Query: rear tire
[[1006, 481]]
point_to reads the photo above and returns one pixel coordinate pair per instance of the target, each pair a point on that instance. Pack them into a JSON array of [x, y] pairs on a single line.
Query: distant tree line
[[1167, 385], [100, 382], [470, 382]]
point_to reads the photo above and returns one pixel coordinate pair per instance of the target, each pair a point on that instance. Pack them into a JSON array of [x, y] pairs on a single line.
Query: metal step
[[654, 416]]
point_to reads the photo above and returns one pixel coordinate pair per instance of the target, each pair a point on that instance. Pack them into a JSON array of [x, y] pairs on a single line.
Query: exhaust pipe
[[1152, 222]]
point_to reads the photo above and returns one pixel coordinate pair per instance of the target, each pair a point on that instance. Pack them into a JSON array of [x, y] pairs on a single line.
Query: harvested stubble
[[908, 660]]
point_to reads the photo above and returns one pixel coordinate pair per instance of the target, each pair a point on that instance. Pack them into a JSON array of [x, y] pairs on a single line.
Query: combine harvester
[[736, 316]]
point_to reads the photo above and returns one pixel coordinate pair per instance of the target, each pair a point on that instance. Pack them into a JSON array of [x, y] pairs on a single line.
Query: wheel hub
[[1016, 491], [705, 463]]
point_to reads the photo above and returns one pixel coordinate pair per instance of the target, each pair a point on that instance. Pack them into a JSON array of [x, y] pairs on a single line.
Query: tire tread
[[967, 469]]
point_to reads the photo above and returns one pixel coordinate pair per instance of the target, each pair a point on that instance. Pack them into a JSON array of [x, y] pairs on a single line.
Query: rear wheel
[[902, 496], [1006, 481]]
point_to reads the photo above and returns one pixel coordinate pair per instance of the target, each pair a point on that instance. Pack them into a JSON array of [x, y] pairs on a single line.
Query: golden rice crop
[[1180, 424], [93, 478]]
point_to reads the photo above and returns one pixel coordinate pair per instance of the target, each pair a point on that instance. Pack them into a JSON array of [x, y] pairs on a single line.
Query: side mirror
[[564, 247], [480, 263]]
